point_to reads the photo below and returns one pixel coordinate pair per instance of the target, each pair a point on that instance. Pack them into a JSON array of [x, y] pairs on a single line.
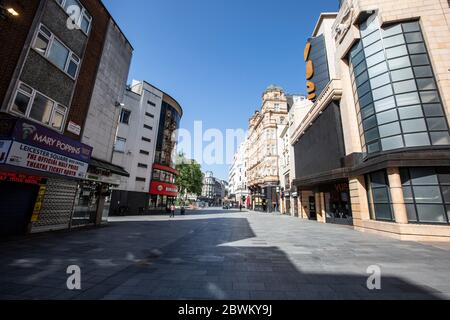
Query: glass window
[[370, 123], [386, 117], [429, 97], [405, 86], [423, 176], [58, 54], [399, 63], [393, 41], [427, 194], [373, 48], [431, 213], [419, 59], [407, 99], [415, 48], [413, 37], [362, 78], [365, 88], [375, 59], [396, 52], [446, 193], [382, 92], [125, 116], [371, 38], [21, 103], [411, 26], [41, 43], [392, 143], [119, 146], [437, 124], [377, 70], [58, 117], [408, 195], [41, 110], [379, 197], [365, 100], [385, 104], [391, 129], [402, 74], [392, 30], [426, 84], [422, 72], [410, 112], [415, 125], [440, 138], [417, 140], [412, 213], [372, 135], [380, 81], [374, 147], [432, 110], [367, 111]]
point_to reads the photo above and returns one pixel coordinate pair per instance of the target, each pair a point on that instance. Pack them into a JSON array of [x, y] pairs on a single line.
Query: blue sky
[[216, 57]]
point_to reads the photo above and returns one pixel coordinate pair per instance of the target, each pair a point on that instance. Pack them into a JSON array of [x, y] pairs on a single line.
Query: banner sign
[[4, 148], [39, 136], [164, 189], [31, 157]]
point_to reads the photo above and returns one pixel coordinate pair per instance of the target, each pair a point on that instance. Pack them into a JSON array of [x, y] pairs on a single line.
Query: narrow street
[[218, 254]]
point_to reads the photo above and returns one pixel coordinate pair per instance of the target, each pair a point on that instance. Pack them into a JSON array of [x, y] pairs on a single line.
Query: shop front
[[163, 190], [40, 169], [337, 203]]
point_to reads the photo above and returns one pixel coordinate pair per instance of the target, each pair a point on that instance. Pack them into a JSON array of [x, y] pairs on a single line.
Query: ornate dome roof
[[273, 88]]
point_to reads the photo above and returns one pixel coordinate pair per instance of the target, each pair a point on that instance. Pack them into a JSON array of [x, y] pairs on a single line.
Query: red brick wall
[[91, 60], [13, 34]]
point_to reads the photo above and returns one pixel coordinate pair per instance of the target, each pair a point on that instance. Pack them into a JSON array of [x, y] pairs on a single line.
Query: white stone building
[[238, 176]]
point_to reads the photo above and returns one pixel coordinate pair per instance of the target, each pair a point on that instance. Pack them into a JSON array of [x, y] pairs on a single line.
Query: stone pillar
[[398, 201], [320, 207], [358, 194]]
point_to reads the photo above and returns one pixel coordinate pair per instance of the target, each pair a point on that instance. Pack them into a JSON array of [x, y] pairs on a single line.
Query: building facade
[[50, 67], [146, 147], [388, 101], [262, 150], [238, 191], [298, 107], [213, 191]]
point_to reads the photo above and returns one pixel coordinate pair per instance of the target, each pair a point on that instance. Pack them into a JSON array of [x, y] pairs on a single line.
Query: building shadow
[[210, 259]]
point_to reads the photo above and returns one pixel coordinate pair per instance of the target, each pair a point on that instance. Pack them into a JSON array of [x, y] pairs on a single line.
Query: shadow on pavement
[[192, 259]]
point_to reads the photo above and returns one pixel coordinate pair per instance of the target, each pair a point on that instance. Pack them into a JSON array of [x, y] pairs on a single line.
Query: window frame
[[46, 55], [32, 97]]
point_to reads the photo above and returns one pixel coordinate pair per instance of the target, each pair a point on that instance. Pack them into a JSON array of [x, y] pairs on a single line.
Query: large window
[[32, 104], [427, 194], [55, 51], [120, 144], [379, 196], [398, 103], [125, 116], [84, 20]]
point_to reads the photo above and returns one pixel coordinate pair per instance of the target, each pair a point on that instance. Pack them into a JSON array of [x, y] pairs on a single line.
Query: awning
[[109, 167]]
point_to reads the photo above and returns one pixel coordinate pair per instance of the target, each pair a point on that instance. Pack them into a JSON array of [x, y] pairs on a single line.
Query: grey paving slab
[[215, 254]]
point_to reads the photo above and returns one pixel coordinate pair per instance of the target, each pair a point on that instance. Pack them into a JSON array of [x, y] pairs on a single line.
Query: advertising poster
[[30, 157]]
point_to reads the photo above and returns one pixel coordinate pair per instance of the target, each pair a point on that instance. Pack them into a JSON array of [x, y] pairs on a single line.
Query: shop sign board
[[4, 148], [32, 157], [21, 178], [165, 189], [39, 136]]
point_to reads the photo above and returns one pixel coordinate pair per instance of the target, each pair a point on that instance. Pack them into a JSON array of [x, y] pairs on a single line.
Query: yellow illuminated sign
[[310, 86]]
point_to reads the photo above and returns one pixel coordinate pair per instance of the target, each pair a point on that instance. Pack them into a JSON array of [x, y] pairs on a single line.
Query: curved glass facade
[[398, 102]]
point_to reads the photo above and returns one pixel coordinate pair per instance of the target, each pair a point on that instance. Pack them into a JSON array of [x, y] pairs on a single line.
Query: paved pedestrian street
[[215, 254]]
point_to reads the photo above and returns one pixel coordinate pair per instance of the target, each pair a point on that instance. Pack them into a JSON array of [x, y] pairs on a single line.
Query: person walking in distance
[[172, 211]]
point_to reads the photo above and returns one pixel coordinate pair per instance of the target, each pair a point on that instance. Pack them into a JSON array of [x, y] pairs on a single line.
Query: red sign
[[163, 189], [20, 178], [167, 169]]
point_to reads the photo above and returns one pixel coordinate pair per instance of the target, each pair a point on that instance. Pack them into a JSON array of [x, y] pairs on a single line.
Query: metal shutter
[[57, 207]]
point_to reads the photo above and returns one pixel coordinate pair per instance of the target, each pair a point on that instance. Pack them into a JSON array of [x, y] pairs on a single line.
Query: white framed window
[[32, 104], [119, 146], [84, 21], [49, 46]]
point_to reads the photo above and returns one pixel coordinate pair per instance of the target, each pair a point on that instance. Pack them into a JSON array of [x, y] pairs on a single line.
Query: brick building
[[52, 78]]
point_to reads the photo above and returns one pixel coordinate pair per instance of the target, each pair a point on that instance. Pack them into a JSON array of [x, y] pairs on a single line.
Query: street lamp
[[7, 11]]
